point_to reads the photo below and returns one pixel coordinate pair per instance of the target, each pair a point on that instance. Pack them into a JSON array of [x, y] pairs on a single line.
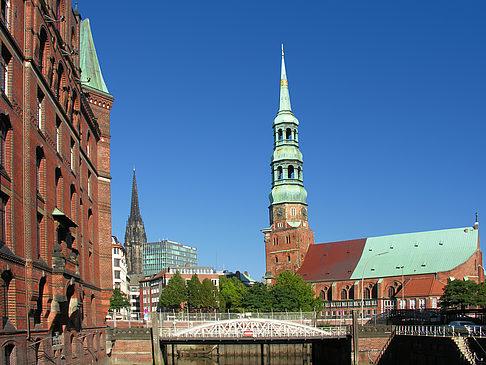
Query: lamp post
[[402, 289], [362, 283]]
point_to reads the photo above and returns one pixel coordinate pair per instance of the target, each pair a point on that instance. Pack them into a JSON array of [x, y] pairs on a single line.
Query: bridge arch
[[252, 328]]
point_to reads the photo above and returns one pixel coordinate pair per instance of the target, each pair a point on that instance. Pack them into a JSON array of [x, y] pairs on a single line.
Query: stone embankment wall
[[127, 346]]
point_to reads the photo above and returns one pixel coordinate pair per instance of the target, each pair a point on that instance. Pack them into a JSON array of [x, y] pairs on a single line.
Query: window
[[58, 85], [39, 155], [367, 293], [89, 183], [73, 161], [344, 294], [288, 258], [422, 303], [42, 47], [58, 15], [391, 292], [292, 212], [87, 145], [288, 134], [117, 274], [4, 11], [3, 218], [116, 262], [40, 98], [3, 139], [280, 135], [4, 61], [276, 260], [58, 134], [58, 184], [412, 303], [38, 229], [434, 302]]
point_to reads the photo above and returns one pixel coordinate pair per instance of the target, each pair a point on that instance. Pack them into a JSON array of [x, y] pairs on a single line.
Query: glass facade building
[[158, 256]]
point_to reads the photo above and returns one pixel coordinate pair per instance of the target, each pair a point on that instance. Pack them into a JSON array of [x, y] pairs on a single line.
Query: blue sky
[[391, 96]]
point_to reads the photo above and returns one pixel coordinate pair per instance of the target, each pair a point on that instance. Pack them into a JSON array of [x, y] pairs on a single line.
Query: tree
[[459, 293], [174, 294], [292, 293], [232, 292], [481, 298], [209, 295], [258, 298], [194, 292], [118, 300]]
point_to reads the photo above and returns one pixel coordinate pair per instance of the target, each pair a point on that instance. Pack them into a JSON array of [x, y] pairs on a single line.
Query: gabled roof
[[331, 261], [89, 64], [416, 287], [418, 252], [377, 257]]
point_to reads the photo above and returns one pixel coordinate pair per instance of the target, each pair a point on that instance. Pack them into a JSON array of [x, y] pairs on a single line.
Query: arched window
[[4, 69], [288, 258], [40, 296], [60, 73], [10, 354], [39, 156], [279, 173], [6, 278], [42, 48], [329, 294], [276, 259], [295, 134], [367, 293], [323, 294], [288, 133], [290, 172], [280, 135], [4, 127], [391, 292], [73, 201], [344, 294], [58, 180], [90, 225], [299, 176]]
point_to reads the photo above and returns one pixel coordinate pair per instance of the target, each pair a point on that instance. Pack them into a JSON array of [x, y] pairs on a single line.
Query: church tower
[[135, 235], [289, 236]]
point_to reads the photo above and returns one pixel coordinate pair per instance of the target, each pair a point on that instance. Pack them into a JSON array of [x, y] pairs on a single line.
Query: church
[[372, 275]]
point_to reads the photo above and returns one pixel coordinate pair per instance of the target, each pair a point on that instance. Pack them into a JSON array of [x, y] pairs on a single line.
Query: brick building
[[55, 208], [405, 271], [151, 286]]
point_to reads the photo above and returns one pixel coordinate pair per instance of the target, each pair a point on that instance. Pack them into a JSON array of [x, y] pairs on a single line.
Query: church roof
[[377, 257], [89, 64], [416, 287]]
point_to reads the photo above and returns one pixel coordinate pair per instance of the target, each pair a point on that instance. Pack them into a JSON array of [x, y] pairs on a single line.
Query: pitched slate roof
[[89, 60], [377, 257]]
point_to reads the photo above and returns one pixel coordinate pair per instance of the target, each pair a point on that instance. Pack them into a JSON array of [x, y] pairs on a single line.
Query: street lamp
[[362, 283]]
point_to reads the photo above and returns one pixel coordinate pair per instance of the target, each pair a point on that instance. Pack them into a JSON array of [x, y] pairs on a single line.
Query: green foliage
[[459, 293], [194, 288], [291, 293], [174, 294], [258, 298], [118, 300], [209, 295], [232, 292], [481, 298]]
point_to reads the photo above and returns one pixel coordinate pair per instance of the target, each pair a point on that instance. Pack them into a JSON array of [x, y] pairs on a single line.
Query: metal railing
[[441, 331]]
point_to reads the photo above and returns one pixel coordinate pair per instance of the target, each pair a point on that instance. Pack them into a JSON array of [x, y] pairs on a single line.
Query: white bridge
[[252, 329]]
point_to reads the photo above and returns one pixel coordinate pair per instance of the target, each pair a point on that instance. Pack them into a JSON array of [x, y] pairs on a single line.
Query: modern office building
[[159, 256]]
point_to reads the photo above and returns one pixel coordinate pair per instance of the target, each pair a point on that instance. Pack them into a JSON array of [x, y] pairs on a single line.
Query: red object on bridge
[[248, 333]]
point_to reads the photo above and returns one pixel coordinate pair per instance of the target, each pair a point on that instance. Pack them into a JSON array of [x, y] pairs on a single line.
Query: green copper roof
[[89, 64], [286, 153], [288, 194], [418, 253]]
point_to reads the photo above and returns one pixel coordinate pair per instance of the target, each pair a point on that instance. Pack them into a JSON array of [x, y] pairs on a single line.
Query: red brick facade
[[288, 239], [55, 244]]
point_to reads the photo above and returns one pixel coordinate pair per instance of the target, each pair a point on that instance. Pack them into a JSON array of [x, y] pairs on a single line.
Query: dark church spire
[[135, 208], [135, 236]]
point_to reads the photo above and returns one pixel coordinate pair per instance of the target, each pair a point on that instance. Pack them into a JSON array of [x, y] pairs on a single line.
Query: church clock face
[[279, 213], [303, 212]]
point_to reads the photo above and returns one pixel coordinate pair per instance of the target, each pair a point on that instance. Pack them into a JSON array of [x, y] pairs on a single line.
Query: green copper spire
[[89, 64], [284, 88], [287, 161]]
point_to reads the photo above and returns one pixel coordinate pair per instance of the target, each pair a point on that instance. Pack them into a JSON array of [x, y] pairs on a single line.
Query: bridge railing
[[300, 317], [442, 331]]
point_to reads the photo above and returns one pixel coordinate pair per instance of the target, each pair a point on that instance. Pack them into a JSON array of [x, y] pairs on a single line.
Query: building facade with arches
[[55, 214]]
